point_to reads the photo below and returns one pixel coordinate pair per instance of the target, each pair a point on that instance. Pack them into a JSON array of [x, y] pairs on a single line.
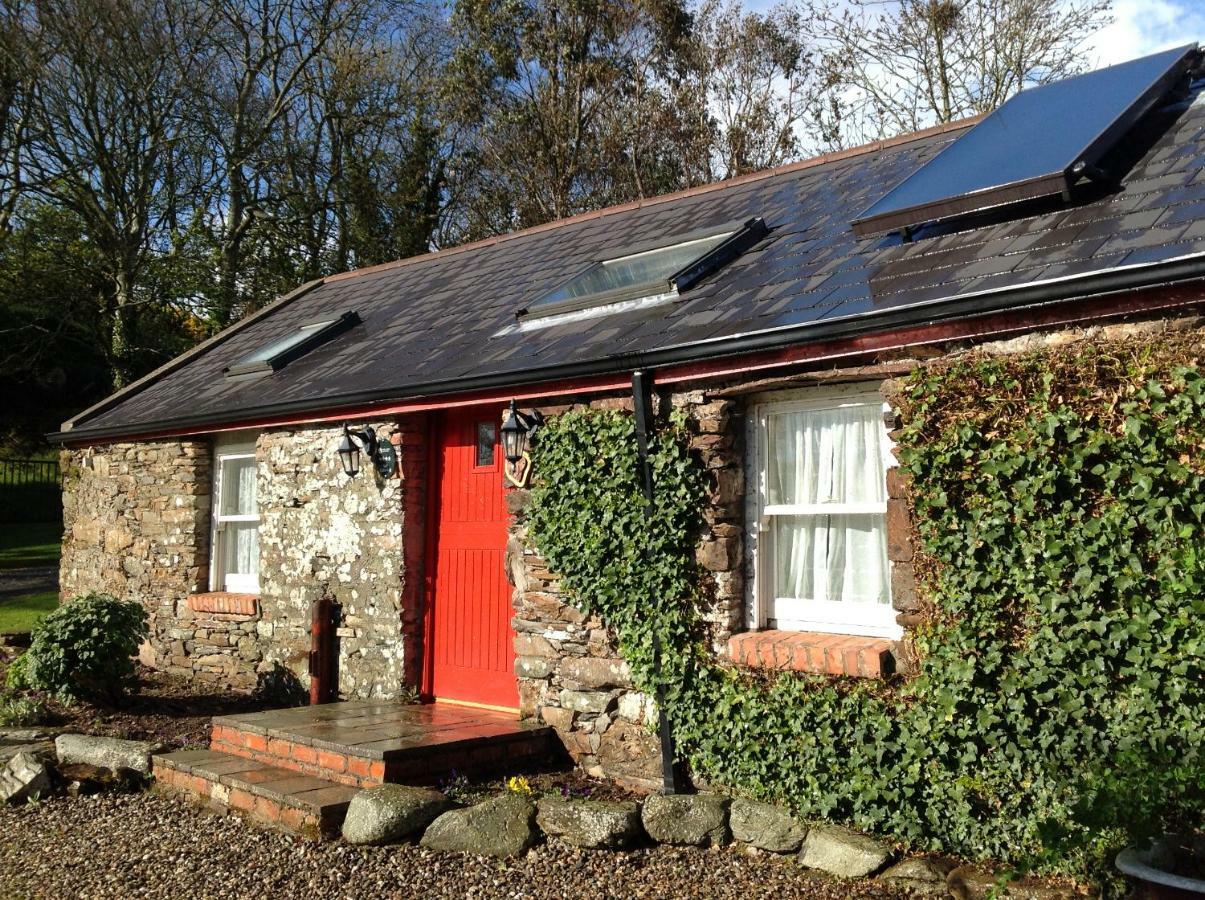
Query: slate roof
[[431, 324]]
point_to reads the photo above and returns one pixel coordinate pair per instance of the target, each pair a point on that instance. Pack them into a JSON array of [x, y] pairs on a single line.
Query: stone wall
[[136, 520], [323, 533], [568, 665]]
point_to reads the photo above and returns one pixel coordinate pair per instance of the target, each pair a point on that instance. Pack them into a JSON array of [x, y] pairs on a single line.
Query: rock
[[919, 876], [697, 820], [502, 826], [593, 824], [970, 883], [591, 673], [765, 826], [842, 852], [105, 753], [391, 812], [84, 779], [587, 701], [24, 777]]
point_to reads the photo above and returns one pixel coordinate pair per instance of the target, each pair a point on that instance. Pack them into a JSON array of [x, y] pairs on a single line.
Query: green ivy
[[1059, 710]]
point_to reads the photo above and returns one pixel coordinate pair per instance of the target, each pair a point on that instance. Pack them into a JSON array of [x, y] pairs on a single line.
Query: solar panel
[[1039, 143]]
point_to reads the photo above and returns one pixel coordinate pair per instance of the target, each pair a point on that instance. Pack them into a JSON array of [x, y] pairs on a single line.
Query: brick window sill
[[810, 651], [224, 603]]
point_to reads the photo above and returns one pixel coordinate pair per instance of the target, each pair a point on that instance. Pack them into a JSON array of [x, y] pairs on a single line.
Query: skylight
[[276, 354], [649, 272]]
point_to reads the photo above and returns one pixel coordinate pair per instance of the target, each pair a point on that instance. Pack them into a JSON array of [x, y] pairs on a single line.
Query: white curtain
[[242, 548], [831, 456]]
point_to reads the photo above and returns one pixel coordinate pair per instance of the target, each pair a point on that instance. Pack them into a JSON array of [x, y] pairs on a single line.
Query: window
[[649, 272], [820, 548], [235, 559], [487, 439], [278, 353]]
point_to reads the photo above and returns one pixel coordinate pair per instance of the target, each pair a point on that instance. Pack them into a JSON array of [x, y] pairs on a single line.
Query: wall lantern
[[516, 432], [382, 454]]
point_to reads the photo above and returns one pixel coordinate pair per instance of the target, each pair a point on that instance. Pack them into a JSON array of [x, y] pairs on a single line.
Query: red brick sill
[[810, 651], [225, 603]]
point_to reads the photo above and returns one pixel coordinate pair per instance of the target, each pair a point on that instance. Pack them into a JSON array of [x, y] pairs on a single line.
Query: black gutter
[[1012, 299], [641, 395]]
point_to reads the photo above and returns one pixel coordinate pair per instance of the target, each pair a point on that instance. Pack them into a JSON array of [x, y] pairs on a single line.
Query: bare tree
[[903, 66], [108, 112], [760, 76]]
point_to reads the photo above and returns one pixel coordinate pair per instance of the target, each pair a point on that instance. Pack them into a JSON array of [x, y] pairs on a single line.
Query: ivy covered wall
[[1059, 502]]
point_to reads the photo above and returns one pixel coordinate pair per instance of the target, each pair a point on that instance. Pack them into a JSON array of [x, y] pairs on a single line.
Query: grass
[[30, 544], [19, 614]]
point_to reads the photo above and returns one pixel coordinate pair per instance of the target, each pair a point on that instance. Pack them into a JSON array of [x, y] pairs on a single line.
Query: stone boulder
[[391, 812], [24, 777], [919, 876], [841, 852], [971, 883], [593, 824], [697, 820], [765, 826], [104, 752], [502, 826]]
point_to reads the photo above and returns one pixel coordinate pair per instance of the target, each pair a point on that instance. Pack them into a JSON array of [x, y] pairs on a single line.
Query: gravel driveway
[[153, 846]]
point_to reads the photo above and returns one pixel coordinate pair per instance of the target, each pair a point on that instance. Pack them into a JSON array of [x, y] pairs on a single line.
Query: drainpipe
[[641, 391], [324, 619]]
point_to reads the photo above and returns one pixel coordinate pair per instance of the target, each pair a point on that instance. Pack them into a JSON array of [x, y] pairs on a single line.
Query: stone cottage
[[778, 310]]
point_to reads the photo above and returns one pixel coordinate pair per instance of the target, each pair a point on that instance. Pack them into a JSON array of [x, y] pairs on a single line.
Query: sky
[[1147, 26]]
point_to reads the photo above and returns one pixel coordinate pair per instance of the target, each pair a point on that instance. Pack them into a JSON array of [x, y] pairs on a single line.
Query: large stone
[[593, 824], [839, 851], [766, 827], [970, 883], [104, 752], [591, 673], [391, 812], [697, 820], [502, 826], [587, 701], [24, 777], [919, 876]]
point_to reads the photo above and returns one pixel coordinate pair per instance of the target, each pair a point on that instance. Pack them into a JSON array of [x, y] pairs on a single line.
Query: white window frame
[[834, 617], [237, 445]]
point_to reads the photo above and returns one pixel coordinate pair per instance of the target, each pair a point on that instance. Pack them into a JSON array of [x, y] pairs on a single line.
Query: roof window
[[636, 274], [280, 352]]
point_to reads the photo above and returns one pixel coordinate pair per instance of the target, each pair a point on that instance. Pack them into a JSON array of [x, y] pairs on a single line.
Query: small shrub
[[17, 677], [84, 649], [19, 711]]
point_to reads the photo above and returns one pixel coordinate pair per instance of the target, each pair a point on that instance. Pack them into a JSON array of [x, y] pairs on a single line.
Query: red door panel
[[472, 654]]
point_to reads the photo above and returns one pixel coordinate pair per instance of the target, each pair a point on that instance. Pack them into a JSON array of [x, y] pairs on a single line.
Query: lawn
[[30, 544], [20, 613]]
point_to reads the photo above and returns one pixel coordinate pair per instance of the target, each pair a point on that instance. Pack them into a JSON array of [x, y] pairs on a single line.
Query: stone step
[[280, 798], [365, 743]]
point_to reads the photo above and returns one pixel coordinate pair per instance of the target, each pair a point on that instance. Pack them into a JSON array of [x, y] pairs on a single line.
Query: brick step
[[280, 798], [362, 743]]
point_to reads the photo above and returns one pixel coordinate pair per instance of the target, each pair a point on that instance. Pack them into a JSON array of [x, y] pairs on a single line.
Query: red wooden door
[[471, 652]]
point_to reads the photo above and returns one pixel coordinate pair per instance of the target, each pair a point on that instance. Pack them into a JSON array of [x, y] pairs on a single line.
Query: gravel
[[151, 846]]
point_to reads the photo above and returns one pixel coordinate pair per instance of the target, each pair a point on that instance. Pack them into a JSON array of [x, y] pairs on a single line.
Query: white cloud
[[1141, 27]]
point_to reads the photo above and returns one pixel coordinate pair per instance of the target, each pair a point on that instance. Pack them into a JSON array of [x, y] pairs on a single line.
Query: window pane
[[240, 552], [487, 437], [842, 557], [238, 487], [633, 271], [826, 456]]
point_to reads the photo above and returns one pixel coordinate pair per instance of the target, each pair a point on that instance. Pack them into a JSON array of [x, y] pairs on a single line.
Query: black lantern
[[514, 435], [382, 454], [349, 454]]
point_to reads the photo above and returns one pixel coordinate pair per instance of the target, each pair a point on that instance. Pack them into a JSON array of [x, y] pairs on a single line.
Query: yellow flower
[[517, 784]]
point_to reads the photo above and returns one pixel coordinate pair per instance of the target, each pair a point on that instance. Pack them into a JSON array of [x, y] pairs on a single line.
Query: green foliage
[[20, 711], [1059, 710], [17, 676], [84, 649]]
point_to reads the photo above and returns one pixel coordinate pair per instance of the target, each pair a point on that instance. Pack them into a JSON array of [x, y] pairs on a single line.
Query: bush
[[1059, 711], [17, 677], [19, 711], [84, 650]]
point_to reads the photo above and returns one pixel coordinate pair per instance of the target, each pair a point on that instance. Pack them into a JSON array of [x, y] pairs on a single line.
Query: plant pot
[[1152, 869]]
